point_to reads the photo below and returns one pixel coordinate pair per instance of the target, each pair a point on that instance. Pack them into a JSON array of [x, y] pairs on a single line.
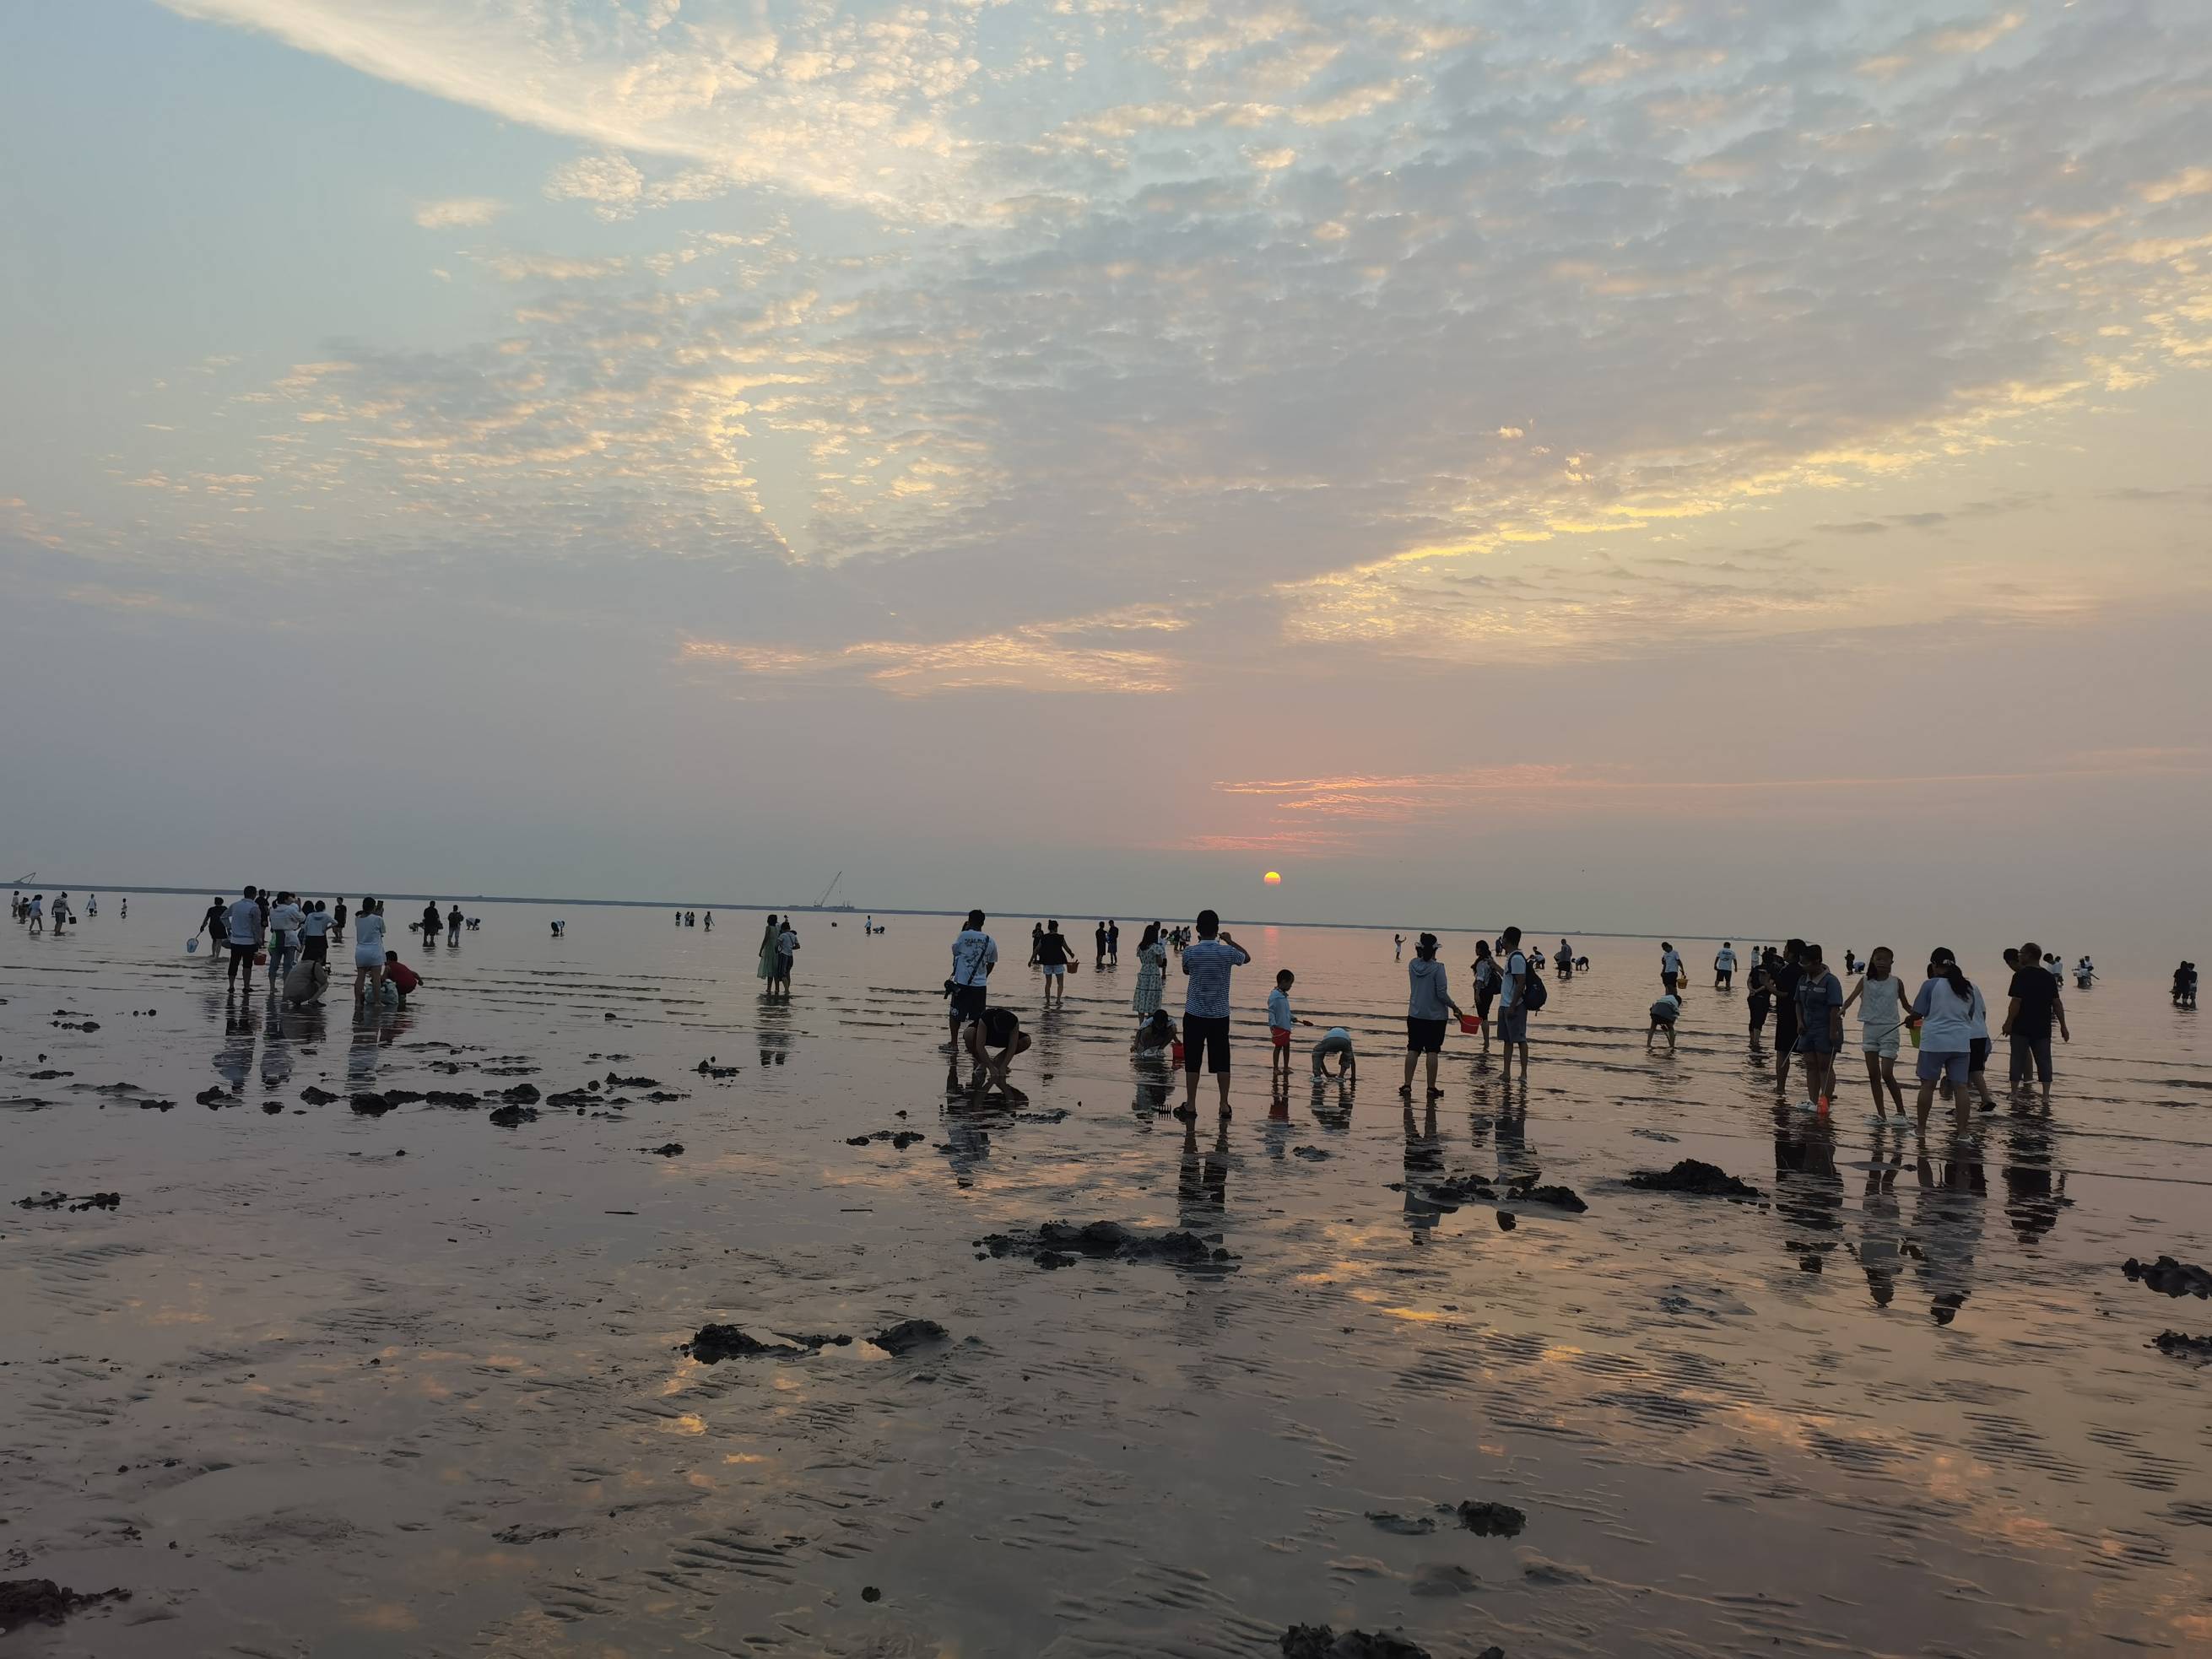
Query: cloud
[[456, 211]]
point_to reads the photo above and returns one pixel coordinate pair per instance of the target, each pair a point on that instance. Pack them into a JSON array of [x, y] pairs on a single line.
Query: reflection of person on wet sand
[[1882, 1227], [1947, 1226], [1808, 1190], [1203, 1181], [2033, 1199], [1424, 1165]]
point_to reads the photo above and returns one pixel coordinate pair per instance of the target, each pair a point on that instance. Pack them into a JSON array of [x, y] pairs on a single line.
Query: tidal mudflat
[[387, 1336]]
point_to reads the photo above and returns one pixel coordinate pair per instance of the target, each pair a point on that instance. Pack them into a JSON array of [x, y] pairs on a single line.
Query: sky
[[1629, 465]]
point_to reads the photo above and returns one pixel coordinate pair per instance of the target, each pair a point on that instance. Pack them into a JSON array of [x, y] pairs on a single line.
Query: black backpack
[[1534, 995]]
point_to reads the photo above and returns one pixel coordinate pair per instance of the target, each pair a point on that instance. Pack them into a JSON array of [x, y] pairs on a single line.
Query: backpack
[[1534, 995]]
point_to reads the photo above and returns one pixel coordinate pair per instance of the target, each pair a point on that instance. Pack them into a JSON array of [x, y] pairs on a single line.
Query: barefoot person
[[2034, 1005], [1520, 995], [1207, 962], [1724, 966], [1943, 1011], [1820, 1024], [1427, 1003], [1056, 958], [974, 953], [999, 1029], [1485, 970], [1880, 997], [244, 924], [369, 950]]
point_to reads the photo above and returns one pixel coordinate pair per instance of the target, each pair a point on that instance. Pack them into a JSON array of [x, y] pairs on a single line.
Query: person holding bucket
[[1427, 1003]]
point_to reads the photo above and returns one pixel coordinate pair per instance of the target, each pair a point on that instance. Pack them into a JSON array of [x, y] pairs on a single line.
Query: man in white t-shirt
[[287, 920], [1724, 966], [974, 953], [1670, 967], [1512, 1007], [242, 930]]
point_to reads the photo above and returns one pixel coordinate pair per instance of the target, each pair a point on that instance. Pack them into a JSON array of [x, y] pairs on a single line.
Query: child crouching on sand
[[1336, 1041]]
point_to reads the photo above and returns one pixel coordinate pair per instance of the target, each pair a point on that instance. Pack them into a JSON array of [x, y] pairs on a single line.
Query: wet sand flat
[[406, 1380]]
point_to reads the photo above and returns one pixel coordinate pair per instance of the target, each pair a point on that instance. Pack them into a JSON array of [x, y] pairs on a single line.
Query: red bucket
[[1470, 1023], [1178, 1051]]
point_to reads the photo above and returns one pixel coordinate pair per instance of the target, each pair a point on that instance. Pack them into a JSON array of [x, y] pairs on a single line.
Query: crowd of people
[[290, 938], [1947, 1020]]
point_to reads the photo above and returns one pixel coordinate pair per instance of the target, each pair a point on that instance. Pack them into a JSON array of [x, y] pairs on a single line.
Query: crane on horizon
[[823, 904]]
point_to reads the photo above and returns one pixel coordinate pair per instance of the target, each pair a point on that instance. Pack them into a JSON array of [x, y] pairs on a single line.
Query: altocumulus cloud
[[1286, 302]]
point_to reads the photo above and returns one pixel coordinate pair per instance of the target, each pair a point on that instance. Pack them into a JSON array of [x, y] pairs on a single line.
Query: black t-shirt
[[1786, 975], [1052, 949], [2038, 994], [999, 1026]]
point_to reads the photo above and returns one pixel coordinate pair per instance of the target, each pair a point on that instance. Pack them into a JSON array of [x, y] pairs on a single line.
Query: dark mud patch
[[522, 1094], [615, 1082], [56, 1201], [1695, 1177], [1311, 1154], [511, 1116], [315, 1097], [1320, 1642], [2186, 1347], [673, 1149], [908, 1334], [1057, 1244], [900, 1140], [715, 1343], [2169, 1277], [42, 1601], [519, 1533], [372, 1105], [707, 1067], [1487, 1520], [460, 1099]]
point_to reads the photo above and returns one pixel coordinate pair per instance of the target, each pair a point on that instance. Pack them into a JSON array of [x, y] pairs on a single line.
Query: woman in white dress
[[368, 949], [1882, 1015], [1152, 972]]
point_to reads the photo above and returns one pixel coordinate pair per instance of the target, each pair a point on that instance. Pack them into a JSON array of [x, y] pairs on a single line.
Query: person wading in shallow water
[[1207, 962], [974, 953]]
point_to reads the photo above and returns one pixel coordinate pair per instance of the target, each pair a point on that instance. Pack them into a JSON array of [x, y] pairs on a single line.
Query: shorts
[[1978, 1054], [1885, 1045], [1954, 1064], [1209, 1036], [1484, 996], [1424, 1037], [1814, 1043], [1785, 1025], [1280, 1034], [1672, 981], [967, 1002], [783, 966], [316, 947], [368, 956], [1055, 970], [1513, 1024]]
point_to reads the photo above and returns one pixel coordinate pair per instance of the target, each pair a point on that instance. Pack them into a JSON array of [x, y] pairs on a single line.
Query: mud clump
[[908, 1334], [522, 1094], [712, 1344], [1492, 1519], [614, 1082], [2174, 1342], [1105, 1241], [46, 1200], [708, 1068], [1320, 1642], [315, 1097], [519, 1534], [42, 1601], [211, 1097], [2169, 1277], [1560, 1198], [673, 1149], [459, 1098], [1695, 1177], [508, 1117], [370, 1105], [899, 1139]]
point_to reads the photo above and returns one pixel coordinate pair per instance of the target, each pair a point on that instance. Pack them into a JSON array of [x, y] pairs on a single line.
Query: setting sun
[[1274, 878]]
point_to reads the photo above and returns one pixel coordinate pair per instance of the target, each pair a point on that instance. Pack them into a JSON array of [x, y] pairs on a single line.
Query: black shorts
[[316, 947], [241, 953], [1977, 1055], [968, 1000], [1210, 1035], [1670, 980], [1785, 1025], [1424, 1037], [1484, 996]]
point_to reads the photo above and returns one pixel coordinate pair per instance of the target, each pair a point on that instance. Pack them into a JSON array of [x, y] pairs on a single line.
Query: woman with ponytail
[[1946, 1012]]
